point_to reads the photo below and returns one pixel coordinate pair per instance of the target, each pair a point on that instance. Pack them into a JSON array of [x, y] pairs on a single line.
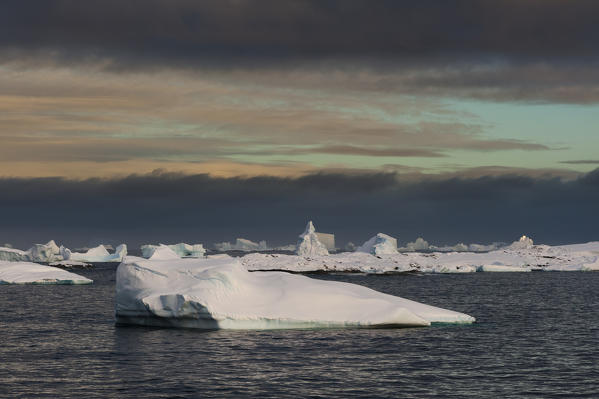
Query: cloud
[[189, 31], [172, 207]]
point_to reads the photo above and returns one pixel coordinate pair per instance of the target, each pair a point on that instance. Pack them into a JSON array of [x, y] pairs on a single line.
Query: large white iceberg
[[380, 244], [33, 273], [242, 244], [308, 244], [221, 293], [181, 249], [96, 254]]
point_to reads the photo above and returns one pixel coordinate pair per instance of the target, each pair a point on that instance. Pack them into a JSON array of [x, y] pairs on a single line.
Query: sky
[[451, 120]]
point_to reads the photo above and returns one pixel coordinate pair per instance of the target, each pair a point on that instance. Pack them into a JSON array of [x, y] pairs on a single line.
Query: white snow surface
[[577, 257], [33, 273], [308, 244], [380, 244], [221, 293], [181, 249], [96, 254], [242, 244]]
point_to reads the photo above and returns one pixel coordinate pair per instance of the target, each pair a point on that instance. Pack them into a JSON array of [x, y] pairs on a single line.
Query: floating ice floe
[[380, 244], [181, 249], [308, 244], [221, 293], [33, 273], [96, 254], [242, 244]]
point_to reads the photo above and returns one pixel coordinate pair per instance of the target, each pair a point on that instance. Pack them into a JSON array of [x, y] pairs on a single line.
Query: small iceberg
[[181, 249], [380, 244], [242, 244], [221, 293], [33, 273], [309, 245], [97, 254], [49, 252]]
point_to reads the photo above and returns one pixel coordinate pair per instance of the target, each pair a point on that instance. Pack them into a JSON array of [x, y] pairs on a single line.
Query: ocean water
[[536, 336]]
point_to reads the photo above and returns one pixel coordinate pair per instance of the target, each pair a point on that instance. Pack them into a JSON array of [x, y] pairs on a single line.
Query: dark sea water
[[536, 336]]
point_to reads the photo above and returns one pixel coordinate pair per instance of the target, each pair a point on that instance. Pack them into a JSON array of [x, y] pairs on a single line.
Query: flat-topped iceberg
[[380, 244], [96, 254], [33, 273], [308, 244], [221, 293], [242, 244], [181, 249]]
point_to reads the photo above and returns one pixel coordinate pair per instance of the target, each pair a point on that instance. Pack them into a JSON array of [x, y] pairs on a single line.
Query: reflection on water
[[535, 337]]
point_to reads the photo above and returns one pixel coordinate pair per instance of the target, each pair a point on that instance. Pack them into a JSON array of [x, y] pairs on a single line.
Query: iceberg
[[380, 244], [10, 254], [221, 294], [308, 244], [33, 273], [242, 244], [48, 252], [97, 254], [523, 243], [181, 249]]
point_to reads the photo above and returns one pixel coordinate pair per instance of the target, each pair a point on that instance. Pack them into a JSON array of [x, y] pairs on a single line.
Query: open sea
[[536, 336]]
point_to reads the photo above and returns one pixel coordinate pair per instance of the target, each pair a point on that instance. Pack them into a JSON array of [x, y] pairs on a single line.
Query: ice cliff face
[[380, 244], [308, 244]]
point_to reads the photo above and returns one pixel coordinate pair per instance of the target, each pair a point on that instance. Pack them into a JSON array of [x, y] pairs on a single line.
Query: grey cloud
[[187, 30]]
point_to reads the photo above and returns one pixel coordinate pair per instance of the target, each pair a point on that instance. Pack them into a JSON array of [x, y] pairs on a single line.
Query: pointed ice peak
[[308, 244], [309, 229]]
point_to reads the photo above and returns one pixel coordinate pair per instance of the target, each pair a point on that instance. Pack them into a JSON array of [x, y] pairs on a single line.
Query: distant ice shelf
[[521, 256], [221, 293]]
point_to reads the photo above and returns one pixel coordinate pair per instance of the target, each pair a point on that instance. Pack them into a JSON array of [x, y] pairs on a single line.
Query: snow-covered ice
[[96, 254], [520, 256], [221, 293], [33, 273], [380, 244], [181, 249], [308, 244]]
